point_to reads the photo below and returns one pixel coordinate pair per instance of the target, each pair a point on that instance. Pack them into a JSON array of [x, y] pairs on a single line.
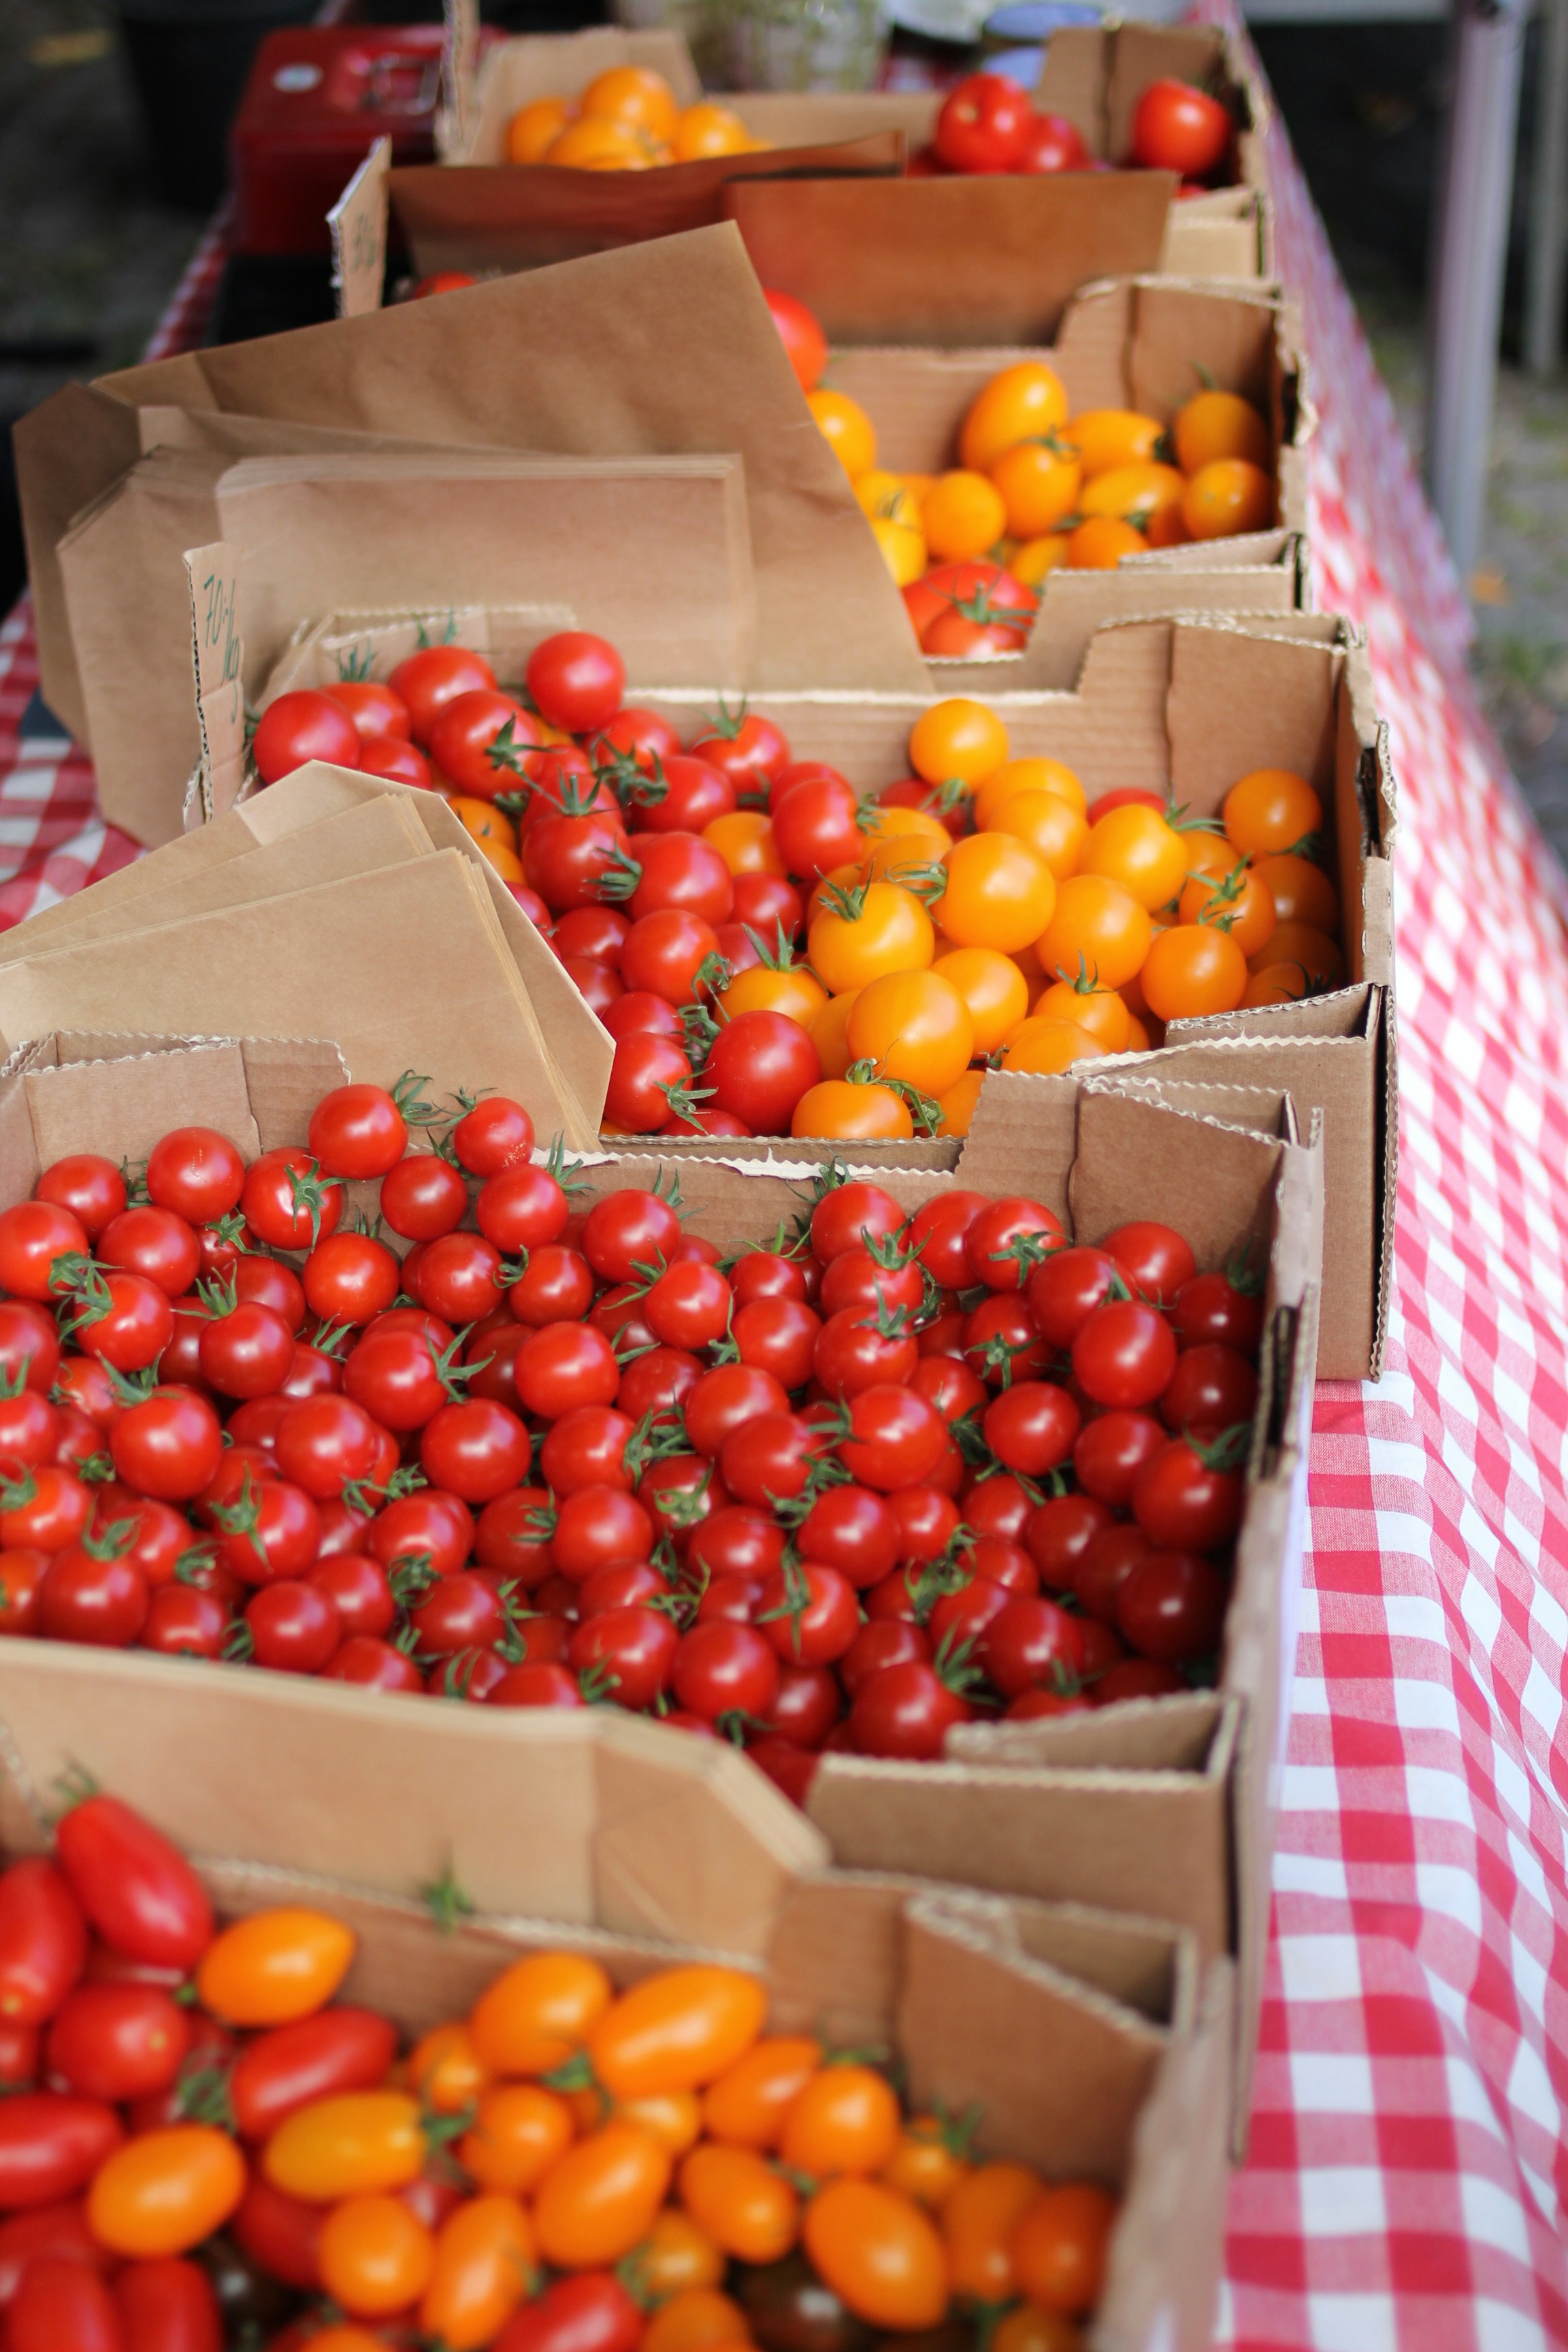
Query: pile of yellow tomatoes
[[627, 120]]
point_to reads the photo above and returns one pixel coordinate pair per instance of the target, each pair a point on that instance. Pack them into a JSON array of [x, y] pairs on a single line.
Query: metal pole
[[1548, 178], [1471, 250]]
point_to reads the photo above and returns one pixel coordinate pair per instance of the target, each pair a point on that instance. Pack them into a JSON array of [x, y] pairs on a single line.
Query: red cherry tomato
[[983, 125], [304, 725], [1177, 128], [805, 345], [140, 1895]]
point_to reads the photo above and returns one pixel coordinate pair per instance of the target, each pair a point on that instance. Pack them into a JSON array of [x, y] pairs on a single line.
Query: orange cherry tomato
[[847, 2119], [1278, 983], [599, 2200], [1032, 775], [959, 1103], [795, 993], [1312, 951], [1137, 847], [347, 2339], [1018, 404], [747, 2210], [694, 2320], [903, 840], [1108, 437], [962, 516], [708, 130], [445, 2070], [847, 429], [879, 2253], [848, 1110], [1044, 1047], [915, 1027], [977, 2223], [1000, 893], [539, 2012], [1099, 931], [1053, 828], [353, 2145], [958, 739], [1101, 542], [865, 930], [1166, 526], [274, 1967], [1238, 898], [1271, 811], [1141, 1038], [930, 2160], [829, 1033], [599, 144], [675, 2255], [1037, 558], [1219, 424], [1191, 969], [744, 840], [747, 2105], [1100, 1011], [634, 94], [1228, 498], [1057, 2247], [1301, 892], [1038, 482], [483, 821], [674, 2119], [993, 987], [164, 2192], [1027, 2328], [535, 128], [1137, 493], [483, 2267], [375, 2256], [519, 2131], [677, 2030]]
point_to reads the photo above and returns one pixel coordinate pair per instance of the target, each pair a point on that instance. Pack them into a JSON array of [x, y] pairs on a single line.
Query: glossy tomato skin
[[338, 2050], [1178, 129], [168, 2305], [304, 725], [434, 677], [51, 2146], [1110, 1451], [905, 1711], [1172, 1607], [43, 1942], [1060, 1532], [983, 125], [91, 1187], [590, 2311], [117, 2042], [60, 2304], [1211, 1310], [1183, 1503], [805, 345], [576, 680], [140, 1895]]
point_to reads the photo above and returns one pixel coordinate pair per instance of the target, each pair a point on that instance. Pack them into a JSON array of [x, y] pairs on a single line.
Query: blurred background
[[112, 156]]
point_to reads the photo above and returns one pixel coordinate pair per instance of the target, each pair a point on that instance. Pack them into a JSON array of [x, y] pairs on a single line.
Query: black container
[[189, 60]]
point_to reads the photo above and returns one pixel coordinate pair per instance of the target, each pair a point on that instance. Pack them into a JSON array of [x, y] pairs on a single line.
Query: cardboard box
[[1096, 2046]]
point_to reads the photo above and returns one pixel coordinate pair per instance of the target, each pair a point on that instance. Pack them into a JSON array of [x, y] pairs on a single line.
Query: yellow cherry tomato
[[1313, 951], [1191, 969], [1099, 931], [274, 1968], [483, 2266], [1218, 424], [355, 2143], [674, 2257], [962, 516], [599, 2201], [1226, 498], [1100, 1011], [164, 2192], [1301, 892], [848, 1110], [1038, 483], [445, 2070], [867, 929], [375, 2256], [1052, 827], [1019, 776], [744, 840], [747, 2210], [829, 1033], [1101, 542], [1106, 438], [1020, 404], [847, 2119], [1000, 893], [912, 1026], [847, 429], [706, 128], [959, 740], [1136, 493], [1271, 811], [931, 2158], [1044, 1047], [958, 1107], [519, 2131], [748, 2103], [1038, 557], [535, 128], [759, 988], [634, 94], [903, 546], [977, 2223], [677, 2030], [1135, 846], [879, 2253], [993, 987], [539, 2011]]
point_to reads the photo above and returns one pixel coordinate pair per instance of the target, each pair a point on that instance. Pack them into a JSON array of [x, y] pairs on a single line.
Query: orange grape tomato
[[1038, 483], [915, 1027], [673, 2117], [375, 2256], [1271, 811], [694, 2320], [1192, 969], [880, 2253], [484, 2265], [747, 2105], [1137, 847], [599, 2200], [847, 2119], [1027, 2328], [958, 737], [795, 993], [747, 2210], [1027, 775], [1100, 1011], [847, 1111], [902, 546], [519, 2131], [1301, 892], [1051, 826], [1018, 404], [507, 862], [744, 840], [535, 127], [1299, 943], [1240, 900], [1226, 498], [164, 2192], [866, 928], [1044, 1047], [274, 1968], [1037, 558], [677, 2030], [674, 2256], [1218, 424], [829, 1033], [962, 516], [847, 429], [483, 820], [1058, 2246], [1000, 893], [930, 2160], [1136, 492], [993, 987], [1108, 437], [1099, 931], [355, 2143], [1166, 526], [1101, 542], [539, 2012], [958, 1104], [633, 94], [977, 2223], [445, 2069]]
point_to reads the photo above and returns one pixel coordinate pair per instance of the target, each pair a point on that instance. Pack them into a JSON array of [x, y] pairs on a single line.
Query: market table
[[1409, 2159]]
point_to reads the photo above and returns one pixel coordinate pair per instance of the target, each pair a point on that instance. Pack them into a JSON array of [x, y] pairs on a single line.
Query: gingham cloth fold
[[1404, 2187]]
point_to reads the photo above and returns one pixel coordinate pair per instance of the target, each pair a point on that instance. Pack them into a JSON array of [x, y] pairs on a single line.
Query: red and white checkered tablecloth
[[1409, 2157]]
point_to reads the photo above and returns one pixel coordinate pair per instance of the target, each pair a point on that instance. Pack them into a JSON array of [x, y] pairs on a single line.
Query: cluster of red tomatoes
[[988, 123], [562, 2171], [805, 1496]]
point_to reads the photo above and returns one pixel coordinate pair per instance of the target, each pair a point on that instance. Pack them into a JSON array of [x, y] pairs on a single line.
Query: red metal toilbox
[[316, 99]]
